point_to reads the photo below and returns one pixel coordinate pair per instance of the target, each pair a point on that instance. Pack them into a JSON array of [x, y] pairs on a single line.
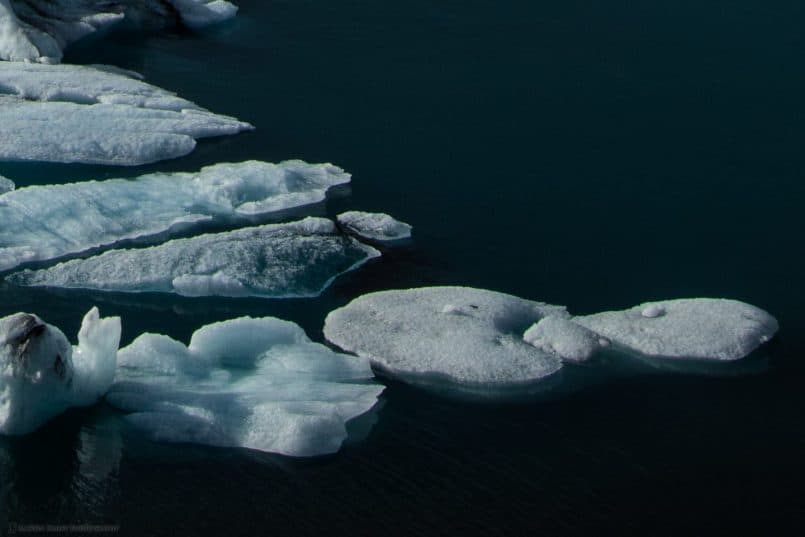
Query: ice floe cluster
[[475, 338], [97, 115], [46, 222], [38, 30]]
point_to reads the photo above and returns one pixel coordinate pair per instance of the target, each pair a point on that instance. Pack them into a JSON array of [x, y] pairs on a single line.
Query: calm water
[[582, 153]]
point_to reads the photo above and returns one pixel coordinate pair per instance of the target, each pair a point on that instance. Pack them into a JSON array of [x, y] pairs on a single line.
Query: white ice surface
[[254, 383], [374, 226], [41, 375], [568, 340], [698, 328], [298, 259], [97, 115], [50, 221], [455, 334]]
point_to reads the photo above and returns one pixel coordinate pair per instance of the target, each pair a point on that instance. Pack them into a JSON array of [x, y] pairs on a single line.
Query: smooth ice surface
[[38, 30], [457, 334], [100, 115], [698, 328], [6, 185], [41, 375], [46, 222], [298, 259], [374, 226], [254, 383], [568, 340]]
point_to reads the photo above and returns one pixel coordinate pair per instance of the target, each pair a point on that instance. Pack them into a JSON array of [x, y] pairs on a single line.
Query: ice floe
[[70, 113], [454, 334], [39, 30], [697, 328], [47, 222], [298, 259], [374, 226], [42, 375], [254, 383]]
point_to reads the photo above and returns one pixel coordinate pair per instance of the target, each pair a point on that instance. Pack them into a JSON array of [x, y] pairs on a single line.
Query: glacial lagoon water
[[591, 155]]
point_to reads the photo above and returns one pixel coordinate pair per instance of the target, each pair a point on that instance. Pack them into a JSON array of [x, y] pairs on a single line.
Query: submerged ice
[[297, 259], [453, 334], [42, 375], [97, 115], [254, 383], [50, 221]]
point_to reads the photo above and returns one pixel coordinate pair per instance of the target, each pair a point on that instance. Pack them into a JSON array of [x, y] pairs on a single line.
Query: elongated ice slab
[[456, 334], [99, 115], [298, 259], [254, 383], [47, 222], [374, 226], [41, 375], [38, 30], [698, 328]]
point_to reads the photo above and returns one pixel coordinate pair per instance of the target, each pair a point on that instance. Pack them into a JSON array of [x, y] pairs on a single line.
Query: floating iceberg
[[254, 383], [454, 334], [698, 328], [299, 259], [374, 226], [41, 375], [97, 115], [47, 222], [39, 30]]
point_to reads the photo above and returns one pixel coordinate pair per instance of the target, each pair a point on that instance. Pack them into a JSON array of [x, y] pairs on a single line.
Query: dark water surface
[[582, 153]]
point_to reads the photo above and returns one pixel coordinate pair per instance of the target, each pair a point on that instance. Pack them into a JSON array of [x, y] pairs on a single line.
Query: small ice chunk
[[561, 336], [698, 328], [297, 259], [464, 336], [41, 375], [254, 383], [6, 185], [374, 226], [51, 221]]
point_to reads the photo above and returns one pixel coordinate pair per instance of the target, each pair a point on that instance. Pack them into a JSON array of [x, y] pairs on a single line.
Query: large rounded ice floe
[[297, 259], [254, 383], [458, 335], [97, 115], [50, 221], [698, 328], [42, 375]]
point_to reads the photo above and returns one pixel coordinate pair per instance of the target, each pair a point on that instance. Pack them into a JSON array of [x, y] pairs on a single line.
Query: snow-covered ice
[[39, 30], [298, 259], [254, 383], [42, 375], [568, 340], [374, 226], [697, 328], [100, 115], [50, 221], [455, 334]]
